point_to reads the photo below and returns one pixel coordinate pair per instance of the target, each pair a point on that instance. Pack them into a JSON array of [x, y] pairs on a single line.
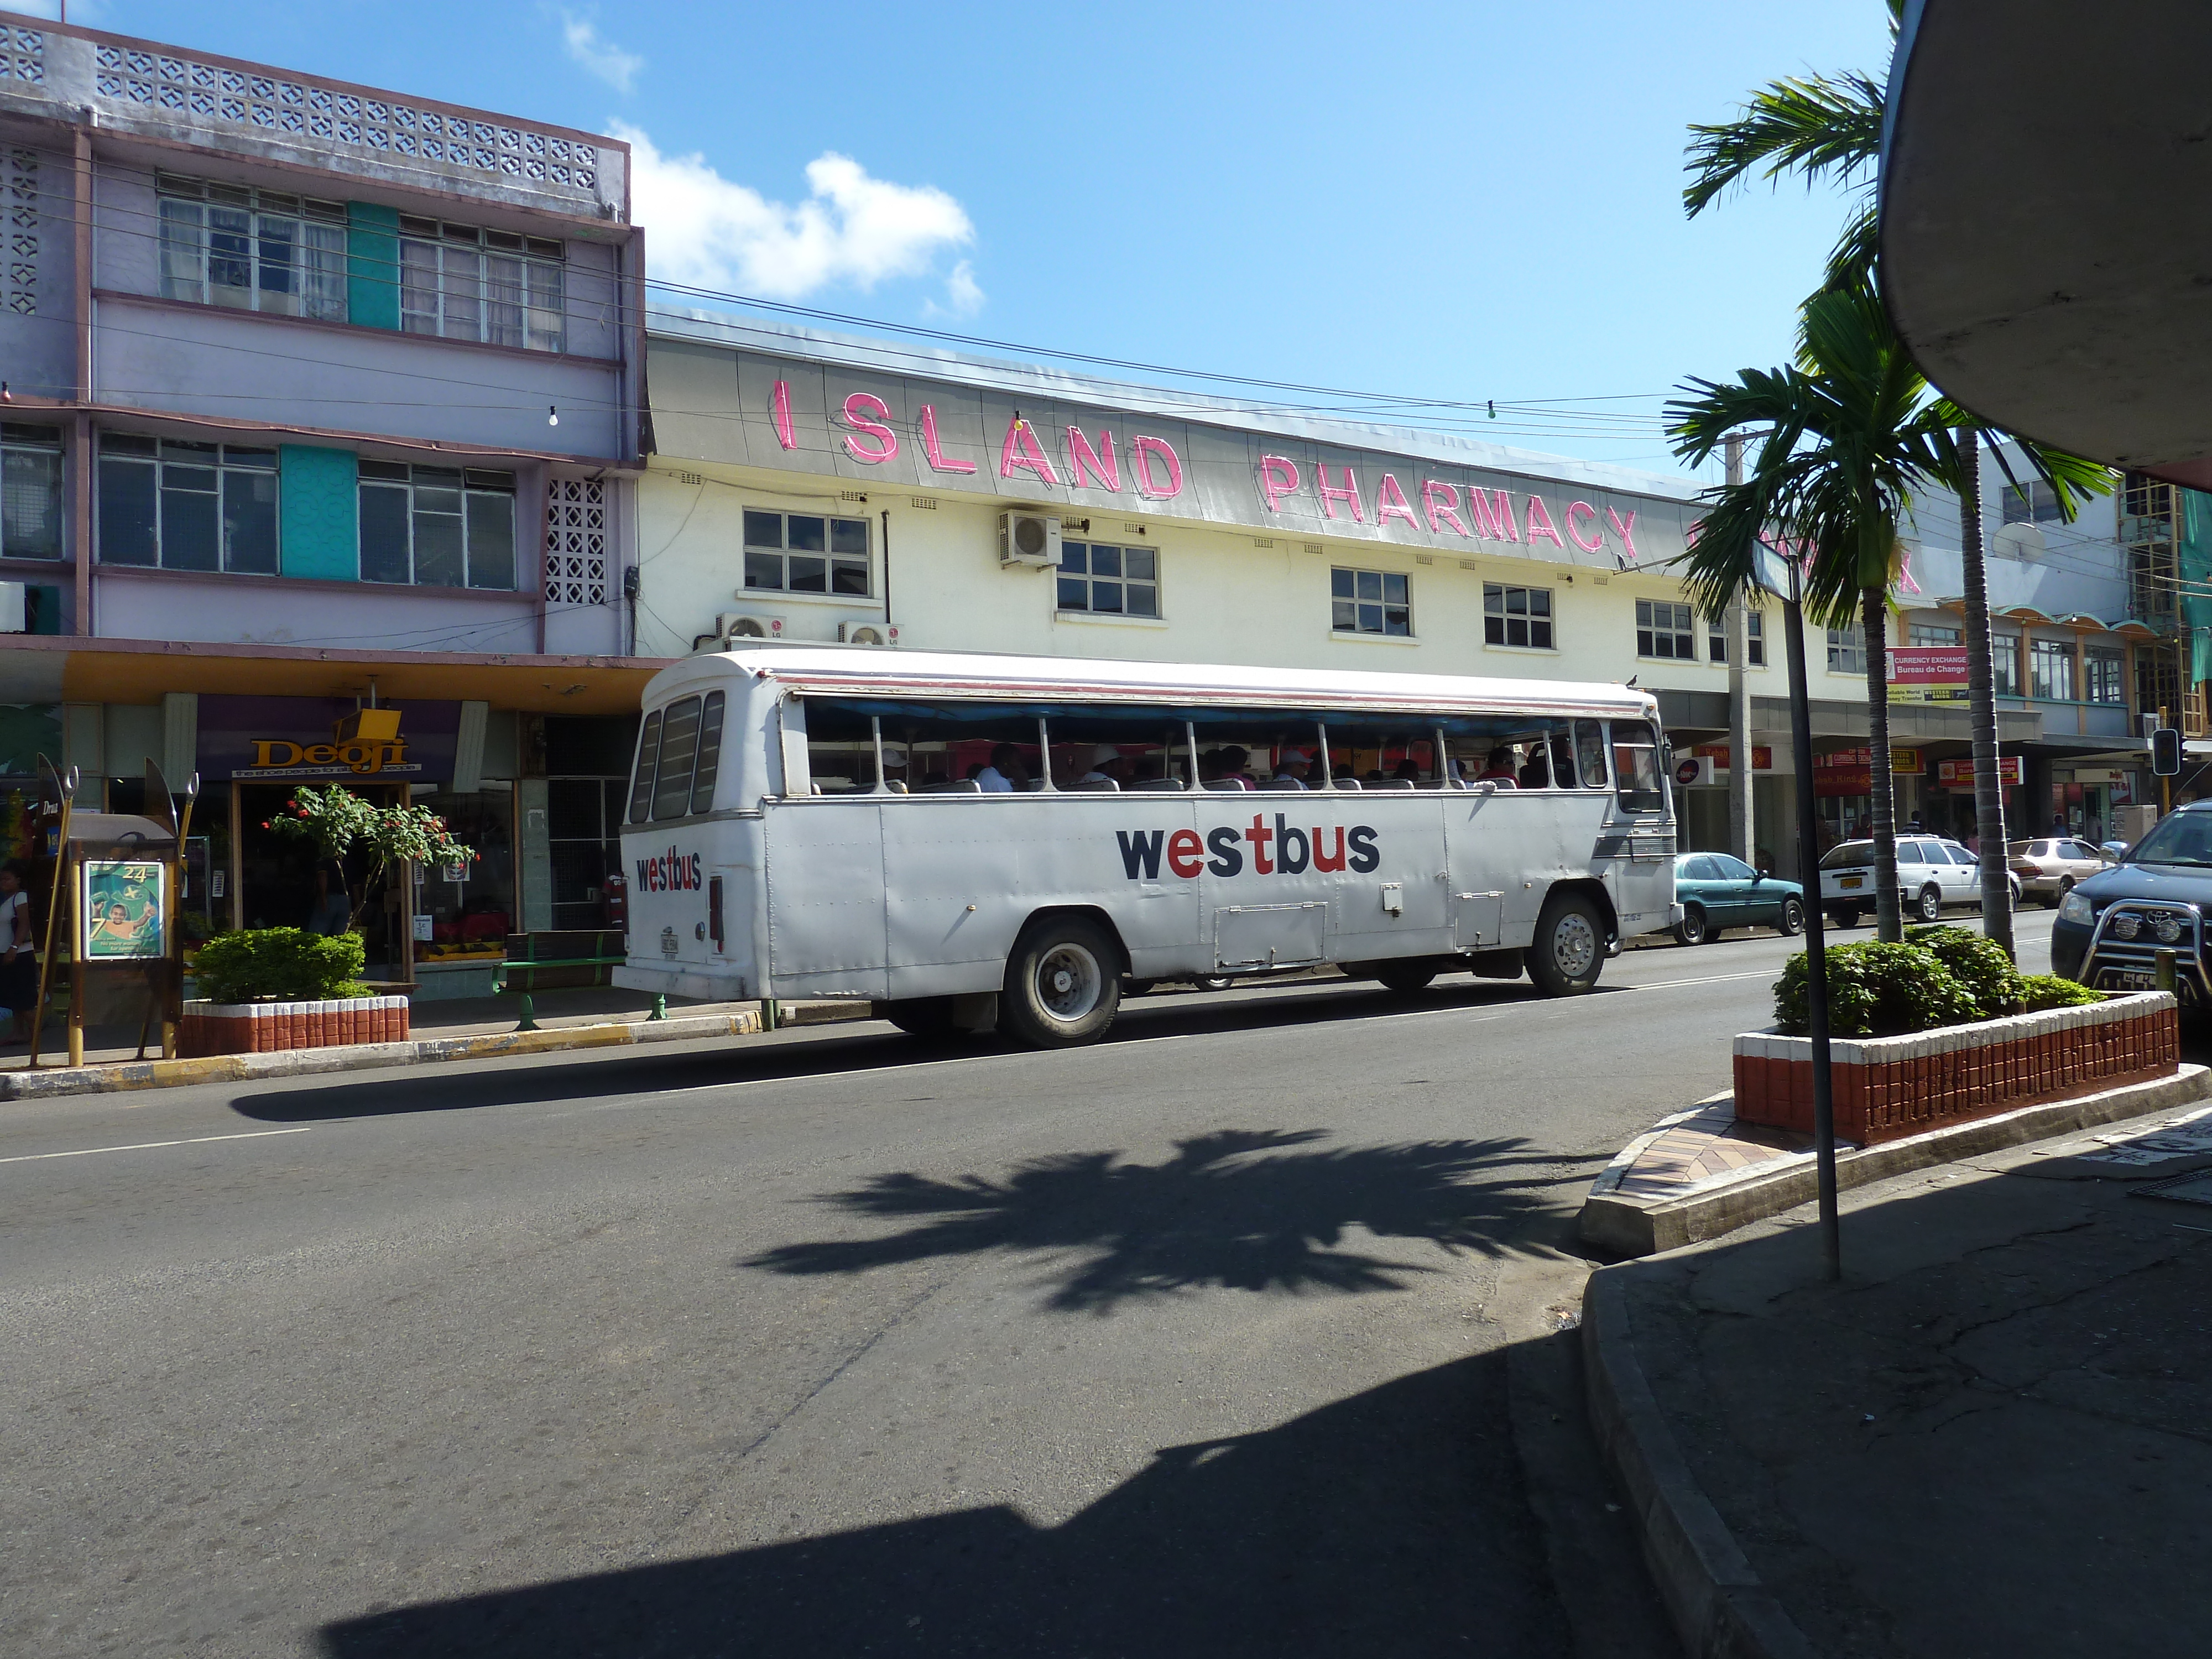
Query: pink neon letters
[[1278, 477], [1441, 501], [1141, 457], [1624, 525], [929, 447], [781, 403], [1332, 493], [1596, 543], [1021, 449], [1102, 461], [1493, 514], [1390, 503], [1538, 522], [859, 410]]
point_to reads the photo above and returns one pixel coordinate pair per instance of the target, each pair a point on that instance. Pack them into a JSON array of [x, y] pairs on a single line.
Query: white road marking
[[148, 1145], [1714, 978]]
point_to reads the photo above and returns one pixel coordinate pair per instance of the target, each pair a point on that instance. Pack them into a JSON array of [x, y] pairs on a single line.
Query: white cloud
[[963, 297], [617, 68], [708, 231]]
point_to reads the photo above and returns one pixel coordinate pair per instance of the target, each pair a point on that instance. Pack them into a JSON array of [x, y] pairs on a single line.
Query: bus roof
[[861, 670]]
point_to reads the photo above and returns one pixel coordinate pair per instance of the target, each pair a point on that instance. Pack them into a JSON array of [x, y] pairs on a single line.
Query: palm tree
[[1830, 127]]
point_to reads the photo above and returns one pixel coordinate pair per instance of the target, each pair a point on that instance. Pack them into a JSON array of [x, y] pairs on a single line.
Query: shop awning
[[2043, 252]]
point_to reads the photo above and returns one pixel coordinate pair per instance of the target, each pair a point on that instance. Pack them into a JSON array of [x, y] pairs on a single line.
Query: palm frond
[[1828, 125]]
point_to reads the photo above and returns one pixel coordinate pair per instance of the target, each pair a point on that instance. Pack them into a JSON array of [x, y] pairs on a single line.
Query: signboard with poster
[[1848, 772], [122, 911], [1959, 774], [1928, 674]]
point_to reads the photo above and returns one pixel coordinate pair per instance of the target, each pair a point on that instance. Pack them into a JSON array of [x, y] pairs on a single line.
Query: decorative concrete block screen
[[1888, 1088], [260, 1028]]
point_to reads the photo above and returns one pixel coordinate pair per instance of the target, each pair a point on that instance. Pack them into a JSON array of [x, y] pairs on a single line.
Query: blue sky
[[1457, 202]]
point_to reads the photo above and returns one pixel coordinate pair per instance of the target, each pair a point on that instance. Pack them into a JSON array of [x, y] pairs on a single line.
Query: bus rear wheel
[[1568, 948], [1405, 977], [921, 1017], [1063, 987]]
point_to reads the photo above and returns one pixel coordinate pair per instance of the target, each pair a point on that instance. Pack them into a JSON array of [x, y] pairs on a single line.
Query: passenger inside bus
[[1500, 770], [1291, 769], [1005, 773]]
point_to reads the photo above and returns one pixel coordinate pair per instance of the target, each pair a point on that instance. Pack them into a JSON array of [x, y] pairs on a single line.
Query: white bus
[[969, 841]]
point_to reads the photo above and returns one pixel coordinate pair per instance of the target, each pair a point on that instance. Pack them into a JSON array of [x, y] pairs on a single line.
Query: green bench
[[531, 958]]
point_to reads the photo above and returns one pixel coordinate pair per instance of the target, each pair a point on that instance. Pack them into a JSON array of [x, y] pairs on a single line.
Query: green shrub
[[2042, 991], [1977, 962], [1876, 990], [287, 963]]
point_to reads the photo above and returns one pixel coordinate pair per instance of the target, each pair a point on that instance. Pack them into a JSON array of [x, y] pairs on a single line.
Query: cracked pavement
[[1991, 1438]]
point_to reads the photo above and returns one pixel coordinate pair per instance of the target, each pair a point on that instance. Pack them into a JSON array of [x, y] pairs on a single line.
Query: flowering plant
[[337, 820]]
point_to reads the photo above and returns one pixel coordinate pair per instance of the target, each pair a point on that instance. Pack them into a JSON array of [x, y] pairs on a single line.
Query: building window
[[1930, 634], [1109, 581], [2050, 670], [437, 526], [1846, 650], [2004, 665], [807, 553], [1755, 639], [1516, 616], [1666, 631], [182, 506], [462, 284], [252, 250], [2030, 501], [2107, 672], [30, 492], [1370, 602]]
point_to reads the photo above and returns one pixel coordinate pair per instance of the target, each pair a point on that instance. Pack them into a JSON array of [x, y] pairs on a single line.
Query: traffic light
[[2166, 751]]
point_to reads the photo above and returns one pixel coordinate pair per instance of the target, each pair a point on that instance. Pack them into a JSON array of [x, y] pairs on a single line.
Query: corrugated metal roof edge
[[698, 325]]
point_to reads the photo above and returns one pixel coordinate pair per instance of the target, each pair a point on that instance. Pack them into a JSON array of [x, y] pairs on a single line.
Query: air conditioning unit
[[1031, 539], [732, 626], [867, 633]]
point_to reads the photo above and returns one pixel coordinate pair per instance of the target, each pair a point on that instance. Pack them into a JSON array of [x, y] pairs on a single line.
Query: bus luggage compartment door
[[1258, 936], [1478, 920]]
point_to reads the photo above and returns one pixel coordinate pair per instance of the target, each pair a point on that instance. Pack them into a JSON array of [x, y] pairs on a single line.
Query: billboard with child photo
[[120, 913]]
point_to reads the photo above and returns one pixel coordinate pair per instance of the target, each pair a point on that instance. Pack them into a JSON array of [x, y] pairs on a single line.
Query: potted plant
[[267, 988]]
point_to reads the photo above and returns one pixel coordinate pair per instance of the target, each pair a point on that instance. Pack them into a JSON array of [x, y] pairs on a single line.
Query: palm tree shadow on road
[[1233, 1210]]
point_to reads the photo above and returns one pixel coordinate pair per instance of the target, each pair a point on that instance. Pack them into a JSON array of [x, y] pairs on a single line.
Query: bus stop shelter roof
[[2046, 251]]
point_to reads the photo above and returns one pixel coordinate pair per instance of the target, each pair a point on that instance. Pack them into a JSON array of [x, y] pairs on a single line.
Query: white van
[[970, 841]]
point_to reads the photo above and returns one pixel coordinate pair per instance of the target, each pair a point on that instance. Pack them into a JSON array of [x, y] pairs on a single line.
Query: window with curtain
[[30, 492], [173, 504], [252, 250], [463, 283]]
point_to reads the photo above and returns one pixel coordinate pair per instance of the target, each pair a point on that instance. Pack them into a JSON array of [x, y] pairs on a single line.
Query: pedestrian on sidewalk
[[19, 966]]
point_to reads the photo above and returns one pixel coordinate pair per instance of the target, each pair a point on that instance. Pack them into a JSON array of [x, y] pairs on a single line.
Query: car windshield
[[2180, 838], [1849, 853]]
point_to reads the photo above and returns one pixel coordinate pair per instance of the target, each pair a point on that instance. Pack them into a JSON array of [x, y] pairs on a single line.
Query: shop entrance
[[277, 872]]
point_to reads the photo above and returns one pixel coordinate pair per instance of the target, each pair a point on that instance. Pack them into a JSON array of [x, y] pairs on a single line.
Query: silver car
[[1931, 872], [2049, 868]]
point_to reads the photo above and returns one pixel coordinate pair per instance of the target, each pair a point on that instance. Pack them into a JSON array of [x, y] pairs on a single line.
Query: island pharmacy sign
[[908, 431]]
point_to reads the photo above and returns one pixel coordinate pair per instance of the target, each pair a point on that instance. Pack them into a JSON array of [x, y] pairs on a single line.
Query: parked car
[[2049, 868], [2111, 927], [1931, 872], [1717, 892]]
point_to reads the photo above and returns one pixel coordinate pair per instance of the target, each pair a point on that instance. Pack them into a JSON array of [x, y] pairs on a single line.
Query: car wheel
[[1405, 977], [1568, 948], [1061, 986], [2065, 886], [1691, 930], [1844, 918], [1930, 905], [1792, 919], [1214, 982]]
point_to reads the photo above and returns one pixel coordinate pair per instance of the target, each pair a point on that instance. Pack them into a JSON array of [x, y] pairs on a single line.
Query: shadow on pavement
[[1390, 1524], [598, 1073], [1210, 1216]]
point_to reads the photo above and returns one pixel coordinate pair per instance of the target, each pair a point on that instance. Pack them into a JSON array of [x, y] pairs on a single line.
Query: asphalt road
[[1191, 1342]]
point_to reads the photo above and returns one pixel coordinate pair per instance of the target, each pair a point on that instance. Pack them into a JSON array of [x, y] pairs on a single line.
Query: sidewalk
[[1993, 1437], [464, 1028]]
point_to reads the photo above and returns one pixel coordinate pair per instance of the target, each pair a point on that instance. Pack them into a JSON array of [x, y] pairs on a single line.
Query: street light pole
[[1816, 948]]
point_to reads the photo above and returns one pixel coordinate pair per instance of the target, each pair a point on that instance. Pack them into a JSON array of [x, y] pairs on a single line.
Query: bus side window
[[680, 746], [1563, 756], [710, 754], [648, 756], [1589, 753], [1635, 767]]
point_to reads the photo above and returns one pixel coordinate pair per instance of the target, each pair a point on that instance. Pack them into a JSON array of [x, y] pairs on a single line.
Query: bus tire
[[1568, 948], [920, 1016], [1405, 977], [1063, 983]]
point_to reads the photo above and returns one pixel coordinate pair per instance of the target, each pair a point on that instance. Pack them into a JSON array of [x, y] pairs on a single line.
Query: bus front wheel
[[1568, 948], [1063, 986]]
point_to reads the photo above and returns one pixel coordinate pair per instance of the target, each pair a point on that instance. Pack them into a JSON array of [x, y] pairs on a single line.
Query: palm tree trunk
[[1874, 617], [1981, 690]]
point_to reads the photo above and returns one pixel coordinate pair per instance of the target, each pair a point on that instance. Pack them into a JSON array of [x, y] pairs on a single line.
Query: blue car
[[2111, 927], [1717, 892]]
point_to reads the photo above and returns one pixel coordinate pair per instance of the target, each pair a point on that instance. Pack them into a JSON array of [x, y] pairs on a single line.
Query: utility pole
[[1742, 834]]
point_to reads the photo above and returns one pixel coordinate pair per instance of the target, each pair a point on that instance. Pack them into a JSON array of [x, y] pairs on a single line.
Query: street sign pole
[[1816, 948]]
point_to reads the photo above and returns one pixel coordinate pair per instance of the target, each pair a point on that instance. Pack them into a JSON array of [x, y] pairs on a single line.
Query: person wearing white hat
[[1291, 769]]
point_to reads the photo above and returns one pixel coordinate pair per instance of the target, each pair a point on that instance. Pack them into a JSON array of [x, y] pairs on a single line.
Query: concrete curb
[[1634, 1226], [1719, 1608], [50, 1083]]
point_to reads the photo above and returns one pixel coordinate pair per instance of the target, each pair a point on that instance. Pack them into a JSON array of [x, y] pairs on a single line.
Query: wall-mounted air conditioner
[[1031, 539], [867, 633], [732, 626]]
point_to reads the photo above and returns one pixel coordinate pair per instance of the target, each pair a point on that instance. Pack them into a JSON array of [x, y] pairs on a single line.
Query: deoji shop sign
[[830, 420]]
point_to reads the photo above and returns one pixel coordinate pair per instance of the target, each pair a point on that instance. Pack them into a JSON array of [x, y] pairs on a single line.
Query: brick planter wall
[[1888, 1088], [258, 1027]]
